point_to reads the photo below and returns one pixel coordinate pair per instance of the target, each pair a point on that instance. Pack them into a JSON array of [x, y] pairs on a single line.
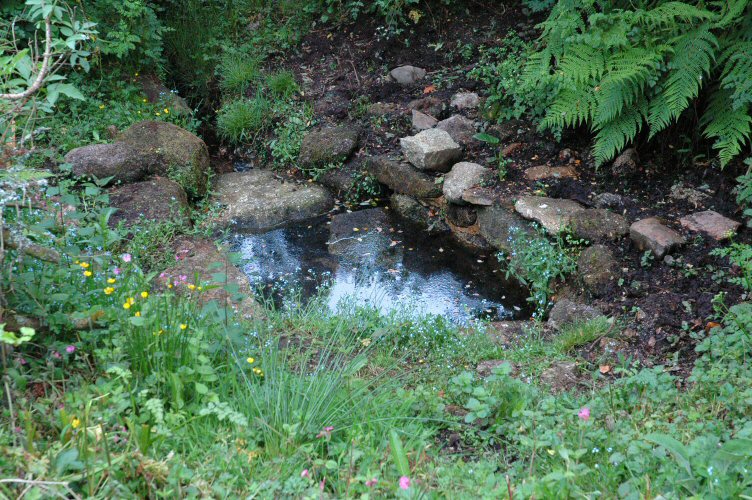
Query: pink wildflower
[[183, 277], [70, 349], [322, 484], [117, 271], [372, 482], [584, 414], [126, 257], [305, 473], [326, 432], [404, 483], [22, 361], [56, 355]]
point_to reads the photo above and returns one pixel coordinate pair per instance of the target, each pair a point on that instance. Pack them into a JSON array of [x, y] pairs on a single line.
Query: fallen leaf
[[711, 325], [430, 89], [604, 369]]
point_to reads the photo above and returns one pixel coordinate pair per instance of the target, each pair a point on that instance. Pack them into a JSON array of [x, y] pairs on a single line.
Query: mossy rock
[[328, 145], [183, 157]]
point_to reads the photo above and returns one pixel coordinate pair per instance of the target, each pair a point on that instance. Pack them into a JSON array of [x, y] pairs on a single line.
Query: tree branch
[[34, 88]]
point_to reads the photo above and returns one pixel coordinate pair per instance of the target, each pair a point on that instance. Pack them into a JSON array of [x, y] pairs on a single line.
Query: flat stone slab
[[711, 223], [411, 210], [484, 197], [407, 75], [401, 177], [552, 213], [256, 200], [498, 225], [463, 176], [652, 234], [158, 199], [422, 121], [598, 224], [542, 172], [465, 100], [431, 149], [327, 145]]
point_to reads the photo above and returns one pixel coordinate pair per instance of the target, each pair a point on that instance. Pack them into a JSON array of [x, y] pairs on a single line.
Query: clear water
[[370, 258]]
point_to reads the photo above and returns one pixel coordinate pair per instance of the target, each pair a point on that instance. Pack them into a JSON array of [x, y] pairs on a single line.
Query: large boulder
[[407, 75], [123, 162], [598, 269], [652, 234], [498, 225], [431, 149], [183, 157], [459, 128], [219, 279], [158, 199], [401, 177], [463, 176], [551, 213], [328, 145], [410, 209], [256, 200]]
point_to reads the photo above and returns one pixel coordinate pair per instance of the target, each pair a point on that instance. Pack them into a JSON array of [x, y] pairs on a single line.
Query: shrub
[[626, 67]]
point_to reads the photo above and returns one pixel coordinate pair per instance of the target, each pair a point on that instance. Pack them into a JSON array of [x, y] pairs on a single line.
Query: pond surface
[[369, 257]]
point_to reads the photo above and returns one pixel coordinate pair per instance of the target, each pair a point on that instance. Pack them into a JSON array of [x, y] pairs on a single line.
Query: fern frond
[[737, 73], [570, 108], [729, 127], [693, 53], [669, 13], [626, 76], [582, 63], [612, 136]]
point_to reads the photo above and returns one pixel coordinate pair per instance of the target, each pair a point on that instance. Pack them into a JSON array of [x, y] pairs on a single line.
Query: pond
[[373, 259]]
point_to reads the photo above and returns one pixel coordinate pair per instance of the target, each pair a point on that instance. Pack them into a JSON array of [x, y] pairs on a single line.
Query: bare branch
[[34, 88]]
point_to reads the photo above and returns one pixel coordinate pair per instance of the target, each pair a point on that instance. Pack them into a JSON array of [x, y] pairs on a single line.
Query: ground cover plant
[[121, 378]]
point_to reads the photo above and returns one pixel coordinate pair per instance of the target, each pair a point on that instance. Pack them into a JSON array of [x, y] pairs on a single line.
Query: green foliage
[[282, 84], [238, 72], [625, 67], [285, 147], [242, 120], [537, 263], [582, 333]]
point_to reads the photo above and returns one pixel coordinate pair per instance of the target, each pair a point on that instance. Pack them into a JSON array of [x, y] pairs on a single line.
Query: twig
[[43, 71]]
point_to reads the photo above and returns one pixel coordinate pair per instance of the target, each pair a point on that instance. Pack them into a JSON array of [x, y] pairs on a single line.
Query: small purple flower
[[56, 355], [326, 432], [117, 271], [22, 361], [404, 483], [126, 257], [372, 482], [70, 349]]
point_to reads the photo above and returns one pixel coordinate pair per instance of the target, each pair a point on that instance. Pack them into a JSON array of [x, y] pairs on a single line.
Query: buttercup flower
[[144, 295], [87, 273], [404, 483], [138, 314], [84, 264], [108, 290], [183, 326], [111, 280], [75, 423], [584, 414], [250, 361], [191, 286], [127, 305]]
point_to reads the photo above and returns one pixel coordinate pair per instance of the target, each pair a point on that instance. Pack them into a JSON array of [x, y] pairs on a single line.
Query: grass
[[238, 72], [242, 120], [581, 333]]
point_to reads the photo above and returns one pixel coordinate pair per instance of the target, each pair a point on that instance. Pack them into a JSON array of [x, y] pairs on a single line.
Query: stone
[[626, 164], [498, 224], [431, 149], [401, 177], [712, 223], [422, 121], [652, 234], [462, 216], [202, 258], [429, 105], [680, 192], [158, 199], [566, 155], [598, 269], [256, 200], [566, 312], [561, 376], [552, 213], [382, 108], [123, 162], [340, 179], [183, 157], [463, 176], [470, 238], [156, 92], [542, 172], [328, 145], [512, 149], [411, 210], [486, 368], [596, 224], [508, 129], [484, 196], [459, 128], [407, 75], [465, 100], [608, 200]]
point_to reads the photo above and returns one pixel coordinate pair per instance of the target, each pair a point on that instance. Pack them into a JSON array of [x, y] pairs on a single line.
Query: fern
[[622, 66]]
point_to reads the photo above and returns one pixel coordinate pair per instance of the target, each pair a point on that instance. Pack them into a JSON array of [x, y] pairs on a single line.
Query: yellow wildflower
[[158, 114], [108, 290], [136, 73], [169, 286], [145, 99], [87, 273], [199, 289], [183, 326], [166, 111], [138, 314], [191, 286], [131, 300], [250, 361], [75, 423], [127, 305], [144, 294], [111, 281], [84, 264], [101, 106]]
